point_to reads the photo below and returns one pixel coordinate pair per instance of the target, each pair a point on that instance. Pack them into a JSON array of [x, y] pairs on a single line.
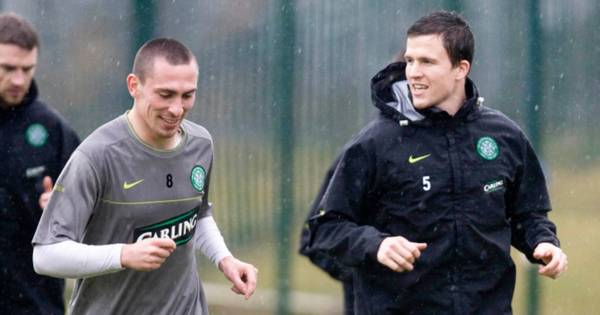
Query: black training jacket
[[332, 266], [329, 264], [35, 141], [469, 186]]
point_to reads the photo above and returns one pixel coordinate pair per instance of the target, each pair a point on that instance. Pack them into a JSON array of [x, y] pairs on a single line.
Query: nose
[[18, 78], [413, 70], [176, 109]]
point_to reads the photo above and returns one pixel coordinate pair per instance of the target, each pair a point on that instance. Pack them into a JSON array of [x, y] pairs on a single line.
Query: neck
[[145, 134], [455, 101]]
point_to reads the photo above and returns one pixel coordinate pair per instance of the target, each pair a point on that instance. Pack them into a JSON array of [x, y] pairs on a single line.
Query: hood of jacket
[[31, 95], [391, 95]]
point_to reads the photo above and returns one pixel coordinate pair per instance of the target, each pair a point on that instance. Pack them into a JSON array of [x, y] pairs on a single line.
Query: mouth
[[171, 122], [16, 92], [418, 88]]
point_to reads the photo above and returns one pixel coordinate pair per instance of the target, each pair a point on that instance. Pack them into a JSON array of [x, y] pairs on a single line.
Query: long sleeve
[[528, 205], [336, 229], [69, 259], [328, 263], [209, 241]]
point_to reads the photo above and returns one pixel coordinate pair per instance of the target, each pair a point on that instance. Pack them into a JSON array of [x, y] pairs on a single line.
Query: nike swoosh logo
[[127, 185], [413, 160]]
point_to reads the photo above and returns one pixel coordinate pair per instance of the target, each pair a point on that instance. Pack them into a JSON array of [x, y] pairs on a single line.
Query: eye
[[188, 96], [165, 95], [8, 68]]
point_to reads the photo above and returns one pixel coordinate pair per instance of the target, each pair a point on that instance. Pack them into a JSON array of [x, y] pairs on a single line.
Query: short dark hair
[[455, 31], [15, 30], [175, 52]]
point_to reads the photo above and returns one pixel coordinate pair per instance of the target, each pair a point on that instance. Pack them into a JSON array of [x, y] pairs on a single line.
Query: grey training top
[[117, 189]]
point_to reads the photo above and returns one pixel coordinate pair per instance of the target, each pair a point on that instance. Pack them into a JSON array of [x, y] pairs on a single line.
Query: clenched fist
[[148, 254], [399, 254]]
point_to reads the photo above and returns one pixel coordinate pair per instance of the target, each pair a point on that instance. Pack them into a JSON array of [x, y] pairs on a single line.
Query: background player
[[35, 142]]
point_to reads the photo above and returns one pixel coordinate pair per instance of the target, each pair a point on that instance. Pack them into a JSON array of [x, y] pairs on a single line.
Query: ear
[[463, 69], [133, 84]]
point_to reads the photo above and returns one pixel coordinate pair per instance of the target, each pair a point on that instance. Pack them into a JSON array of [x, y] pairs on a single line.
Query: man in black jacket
[[35, 143], [427, 199]]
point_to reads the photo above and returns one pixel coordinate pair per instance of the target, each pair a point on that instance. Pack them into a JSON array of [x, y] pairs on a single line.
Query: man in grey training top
[[131, 207]]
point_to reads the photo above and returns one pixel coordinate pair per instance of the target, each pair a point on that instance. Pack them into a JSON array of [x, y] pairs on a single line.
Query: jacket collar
[[31, 95], [384, 99]]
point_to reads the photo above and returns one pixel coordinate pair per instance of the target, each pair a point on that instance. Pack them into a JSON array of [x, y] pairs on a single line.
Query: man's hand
[[399, 254], [45, 196], [555, 260], [148, 254], [241, 274]]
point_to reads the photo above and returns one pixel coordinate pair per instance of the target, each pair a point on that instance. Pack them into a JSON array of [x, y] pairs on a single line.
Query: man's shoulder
[[497, 118], [375, 134], [195, 130], [488, 112], [380, 127], [104, 136], [42, 110]]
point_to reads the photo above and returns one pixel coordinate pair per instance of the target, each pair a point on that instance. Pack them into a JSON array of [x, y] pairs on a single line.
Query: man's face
[[163, 100], [17, 66], [432, 79]]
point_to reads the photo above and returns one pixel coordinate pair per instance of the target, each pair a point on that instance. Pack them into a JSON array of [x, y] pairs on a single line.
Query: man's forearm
[[69, 259], [209, 240]]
